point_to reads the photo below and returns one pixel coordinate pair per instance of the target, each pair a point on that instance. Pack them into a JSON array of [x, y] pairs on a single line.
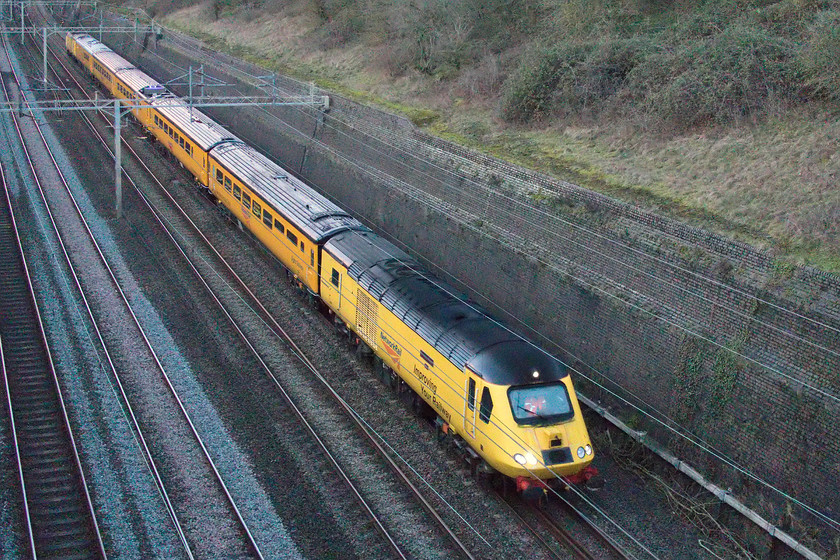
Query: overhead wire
[[607, 239], [693, 440], [328, 148], [635, 269], [618, 287], [524, 444]]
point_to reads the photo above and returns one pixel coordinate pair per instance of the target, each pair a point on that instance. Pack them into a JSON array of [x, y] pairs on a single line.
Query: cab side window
[[334, 278], [486, 407], [471, 394]]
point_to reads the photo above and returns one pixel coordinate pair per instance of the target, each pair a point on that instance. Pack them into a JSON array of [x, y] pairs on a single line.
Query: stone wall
[[684, 331]]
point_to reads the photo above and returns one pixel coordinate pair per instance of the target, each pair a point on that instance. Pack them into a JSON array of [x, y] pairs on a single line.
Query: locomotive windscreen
[[540, 404]]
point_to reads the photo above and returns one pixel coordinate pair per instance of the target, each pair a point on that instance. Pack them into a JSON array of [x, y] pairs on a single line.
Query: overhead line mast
[[120, 107]]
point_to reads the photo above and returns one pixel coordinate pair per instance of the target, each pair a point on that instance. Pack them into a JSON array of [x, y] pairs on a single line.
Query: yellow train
[[510, 404]]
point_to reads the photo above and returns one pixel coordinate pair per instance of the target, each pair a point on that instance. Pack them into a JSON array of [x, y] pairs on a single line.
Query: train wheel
[[385, 375], [363, 352], [421, 408]]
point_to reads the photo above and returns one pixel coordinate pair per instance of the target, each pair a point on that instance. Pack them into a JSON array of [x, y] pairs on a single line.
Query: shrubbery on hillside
[[715, 63], [820, 57], [680, 63], [739, 72]]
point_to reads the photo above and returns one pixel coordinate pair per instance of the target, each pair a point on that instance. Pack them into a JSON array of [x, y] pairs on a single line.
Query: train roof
[[310, 212], [200, 128], [455, 326]]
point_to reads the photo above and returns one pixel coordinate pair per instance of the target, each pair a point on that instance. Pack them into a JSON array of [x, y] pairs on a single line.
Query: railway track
[[280, 332], [398, 549], [596, 542], [586, 542], [238, 539], [541, 521], [165, 221], [59, 515]]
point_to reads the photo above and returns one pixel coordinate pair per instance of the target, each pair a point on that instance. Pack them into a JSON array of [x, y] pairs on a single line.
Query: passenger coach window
[[256, 209], [486, 407], [268, 219], [334, 278], [279, 225], [237, 192], [219, 176], [301, 247], [246, 200], [227, 186], [292, 237]]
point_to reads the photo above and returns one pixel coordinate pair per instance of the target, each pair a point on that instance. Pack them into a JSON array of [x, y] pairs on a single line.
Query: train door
[[470, 408]]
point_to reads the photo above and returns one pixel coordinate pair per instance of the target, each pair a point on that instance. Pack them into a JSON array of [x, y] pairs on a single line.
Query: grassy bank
[[721, 115]]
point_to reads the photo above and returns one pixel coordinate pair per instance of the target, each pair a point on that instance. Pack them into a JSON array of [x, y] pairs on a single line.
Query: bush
[[528, 92], [572, 77], [733, 74], [604, 72], [818, 60]]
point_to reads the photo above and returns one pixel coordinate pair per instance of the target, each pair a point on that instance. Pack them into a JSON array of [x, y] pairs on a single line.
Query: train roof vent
[[328, 214], [400, 306], [460, 355], [446, 343], [355, 271], [389, 299], [153, 91], [377, 288]]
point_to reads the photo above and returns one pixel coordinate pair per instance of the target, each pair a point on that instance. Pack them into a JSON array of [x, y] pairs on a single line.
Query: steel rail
[[158, 217], [52, 375], [537, 533], [283, 335], [251, 541], [137, 431], [12, 415], [602, 535], [563, 535]]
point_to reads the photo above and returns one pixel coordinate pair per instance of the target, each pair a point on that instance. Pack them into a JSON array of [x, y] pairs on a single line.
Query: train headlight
[[526, 459], [588, 449], [581, 452]]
